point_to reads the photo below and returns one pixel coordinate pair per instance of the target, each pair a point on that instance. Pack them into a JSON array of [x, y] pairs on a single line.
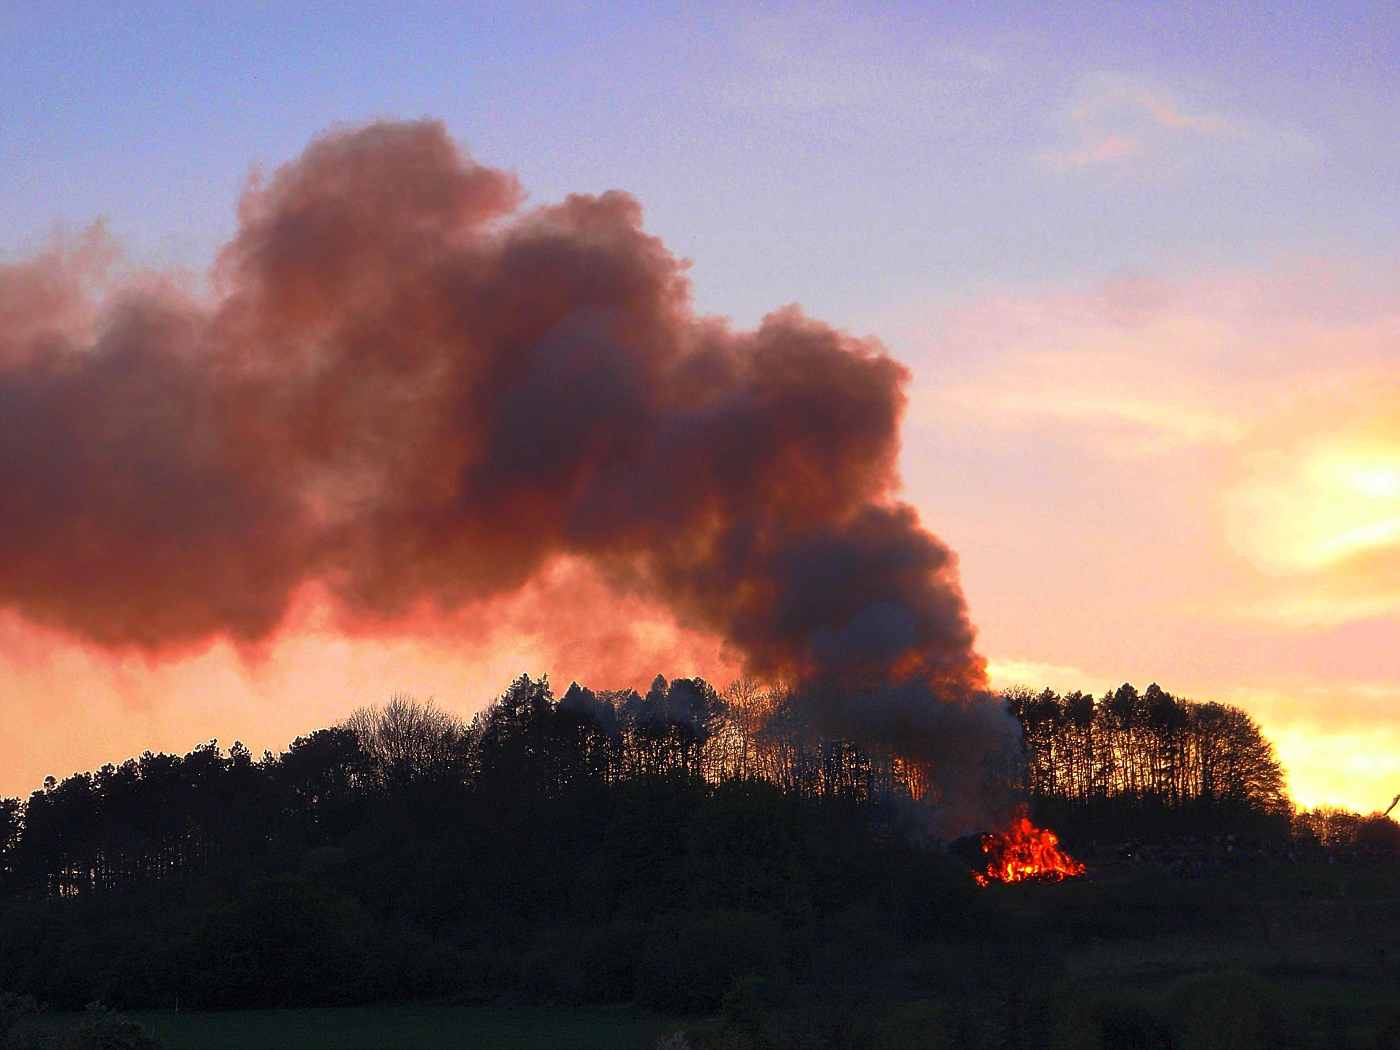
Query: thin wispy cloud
[[1113, 419], [1264, 403], [1118, 372], [794, 67], [1316, 505], [1131, 125]]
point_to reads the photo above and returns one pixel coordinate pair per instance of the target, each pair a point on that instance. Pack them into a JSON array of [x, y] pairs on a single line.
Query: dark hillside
[[686, 851]]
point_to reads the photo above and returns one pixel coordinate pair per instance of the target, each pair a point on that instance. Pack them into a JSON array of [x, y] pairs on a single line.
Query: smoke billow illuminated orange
[[412, 393], [1025, 852]]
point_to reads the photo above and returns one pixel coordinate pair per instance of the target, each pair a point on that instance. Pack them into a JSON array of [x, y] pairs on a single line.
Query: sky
[[1142, 260]]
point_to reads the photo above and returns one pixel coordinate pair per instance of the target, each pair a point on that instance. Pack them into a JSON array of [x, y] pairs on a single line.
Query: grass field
[[1320, 943], [421, 1027]]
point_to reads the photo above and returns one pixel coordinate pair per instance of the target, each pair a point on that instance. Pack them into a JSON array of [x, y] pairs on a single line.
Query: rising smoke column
[[415, 393]]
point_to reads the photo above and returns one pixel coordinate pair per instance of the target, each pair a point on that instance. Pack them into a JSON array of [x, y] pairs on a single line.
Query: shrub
[[1126, 1025], [1378, 832], [693, 959], [14, 1009], [1387, 1033], [104, 1030], [1232, 1010], [919, 1026], [280, 944]]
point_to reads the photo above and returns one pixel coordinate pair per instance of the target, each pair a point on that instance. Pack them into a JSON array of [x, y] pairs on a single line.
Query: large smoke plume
[[413, 392]]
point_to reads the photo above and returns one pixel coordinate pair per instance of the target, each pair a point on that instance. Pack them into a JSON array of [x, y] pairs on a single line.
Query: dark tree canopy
[[1129, 762], [604, 846], [1148, 764]]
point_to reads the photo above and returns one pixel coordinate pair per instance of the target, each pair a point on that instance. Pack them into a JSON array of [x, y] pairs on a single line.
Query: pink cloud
[[1118, 123]]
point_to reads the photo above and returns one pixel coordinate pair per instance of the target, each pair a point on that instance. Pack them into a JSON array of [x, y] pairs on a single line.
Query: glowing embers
[[1025, 852]]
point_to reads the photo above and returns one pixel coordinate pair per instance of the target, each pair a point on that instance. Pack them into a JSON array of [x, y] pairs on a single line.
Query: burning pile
[[1023, 852]]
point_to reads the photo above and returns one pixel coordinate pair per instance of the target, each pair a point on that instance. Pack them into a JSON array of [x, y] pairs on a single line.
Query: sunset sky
[[1144, 264]]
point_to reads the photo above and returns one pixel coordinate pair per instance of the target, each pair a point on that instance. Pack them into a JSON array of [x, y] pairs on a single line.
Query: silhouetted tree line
[[1334, 828], [1148, 764], [1128, 763], [163, 815], [600, 847]]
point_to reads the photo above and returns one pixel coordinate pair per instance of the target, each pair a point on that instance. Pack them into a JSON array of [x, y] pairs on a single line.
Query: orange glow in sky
[[1122, 510], [1192, 481], [1144, 269], [1321, 505]]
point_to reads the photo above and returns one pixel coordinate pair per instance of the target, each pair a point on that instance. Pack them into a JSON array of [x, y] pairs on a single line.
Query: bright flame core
[[1025, 852]]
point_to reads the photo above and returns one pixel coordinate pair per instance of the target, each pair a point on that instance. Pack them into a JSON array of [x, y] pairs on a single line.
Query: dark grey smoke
[[416, 393]]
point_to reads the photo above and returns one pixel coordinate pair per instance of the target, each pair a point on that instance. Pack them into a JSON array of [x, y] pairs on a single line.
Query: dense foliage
[[663, 848], [1148, 764], [594, 849], [1128, 764]]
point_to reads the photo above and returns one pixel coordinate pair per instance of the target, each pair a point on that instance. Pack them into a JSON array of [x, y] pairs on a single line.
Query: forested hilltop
[[1130, 764], [1148, 764], [601, 847]]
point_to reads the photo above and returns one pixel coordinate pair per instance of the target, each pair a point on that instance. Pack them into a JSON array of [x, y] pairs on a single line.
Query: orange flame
[[1025, 851]]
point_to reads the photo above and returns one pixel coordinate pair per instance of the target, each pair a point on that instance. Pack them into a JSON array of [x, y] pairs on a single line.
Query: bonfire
[[1025, 852]]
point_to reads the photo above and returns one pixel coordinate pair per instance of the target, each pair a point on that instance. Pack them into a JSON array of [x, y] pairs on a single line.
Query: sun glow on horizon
[[1310, 512]]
